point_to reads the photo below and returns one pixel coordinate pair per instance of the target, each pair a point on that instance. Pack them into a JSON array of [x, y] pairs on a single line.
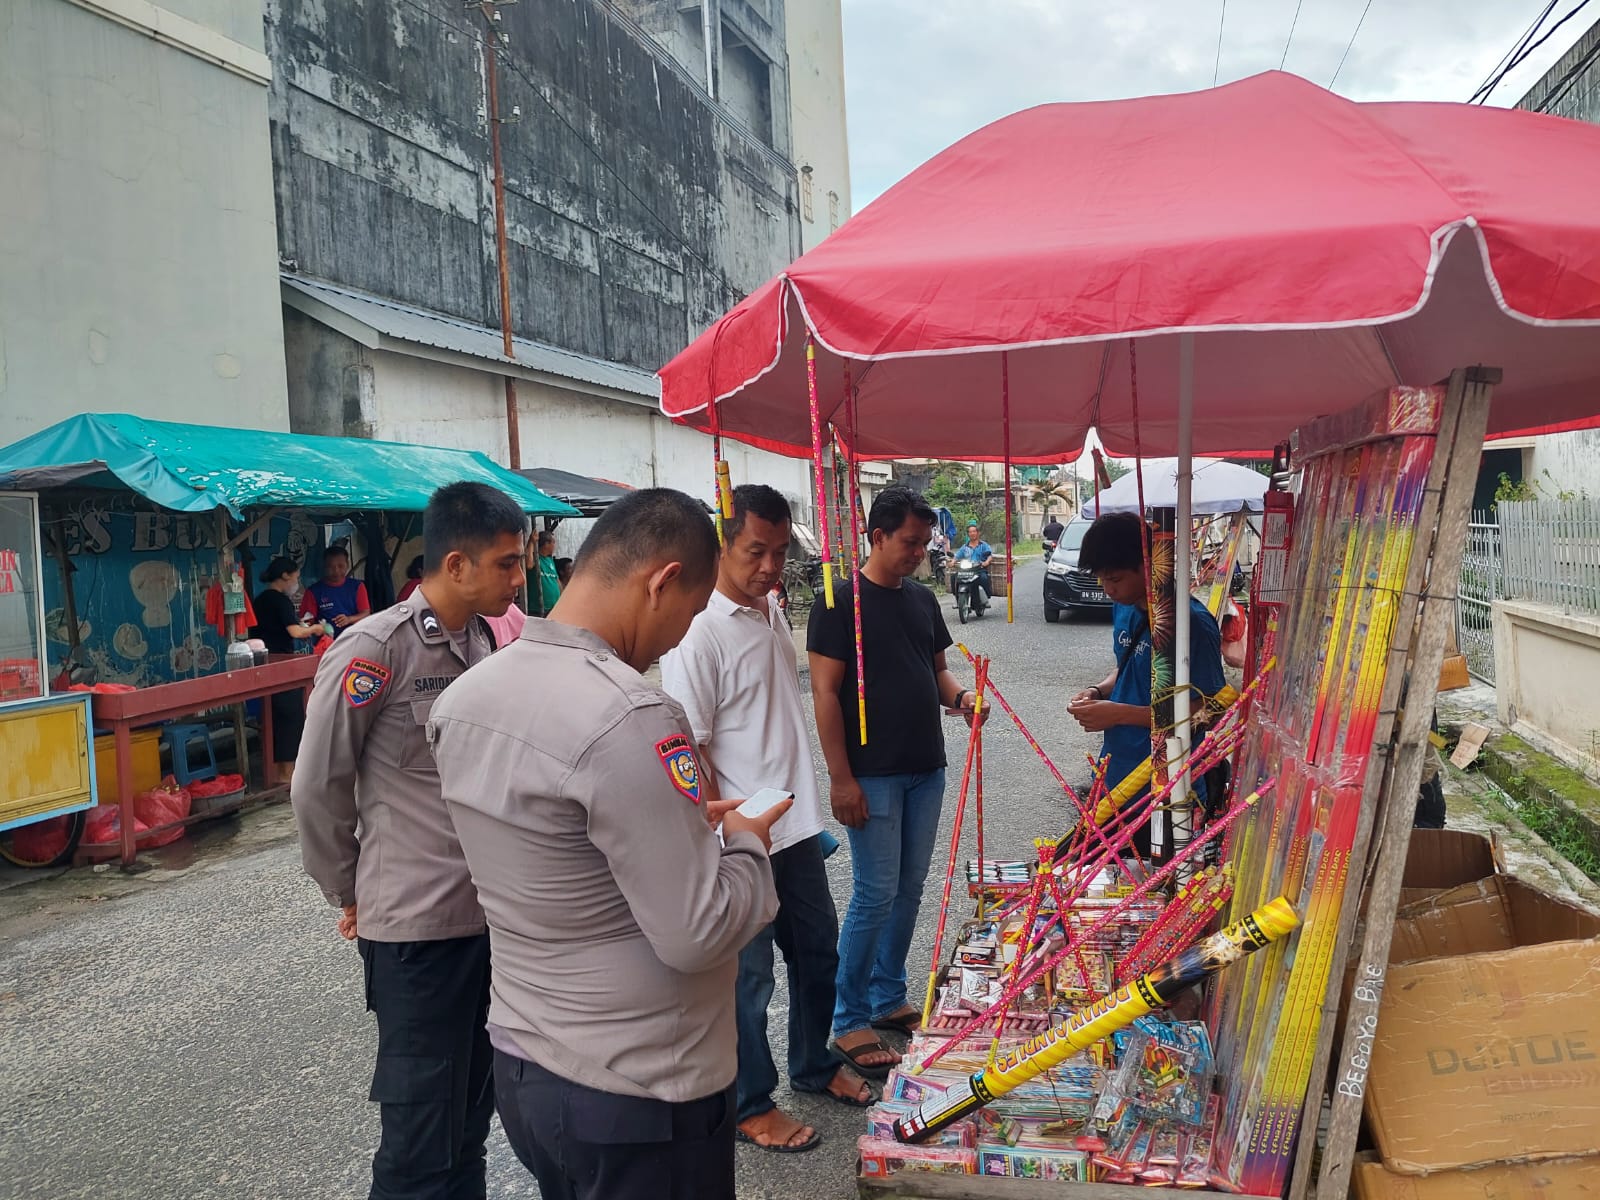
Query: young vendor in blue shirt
[[1119, 705]]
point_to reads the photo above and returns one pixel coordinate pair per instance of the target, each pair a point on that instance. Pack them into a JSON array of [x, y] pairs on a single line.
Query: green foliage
[[1561, 829], [965, 493], [1511, 490]]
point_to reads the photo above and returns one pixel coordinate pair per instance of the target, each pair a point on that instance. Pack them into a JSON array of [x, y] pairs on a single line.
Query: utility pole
[[491, 46]]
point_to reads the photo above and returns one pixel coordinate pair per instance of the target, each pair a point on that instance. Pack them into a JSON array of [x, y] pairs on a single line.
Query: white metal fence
[[1482, 580], [1550, 552]]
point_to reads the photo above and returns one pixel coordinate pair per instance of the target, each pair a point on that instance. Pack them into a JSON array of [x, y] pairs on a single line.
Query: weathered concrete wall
[[636, 214], [1564, 462], [1578, 97], [1545, 664], [330, 380], [138, 265], [816, 98]]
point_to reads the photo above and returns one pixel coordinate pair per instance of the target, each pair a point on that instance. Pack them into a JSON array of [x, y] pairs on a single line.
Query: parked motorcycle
[[1049, 549], [964, 585], [936, 563]]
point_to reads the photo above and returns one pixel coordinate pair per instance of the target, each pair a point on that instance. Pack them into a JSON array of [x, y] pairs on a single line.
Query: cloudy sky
[[921, 74]]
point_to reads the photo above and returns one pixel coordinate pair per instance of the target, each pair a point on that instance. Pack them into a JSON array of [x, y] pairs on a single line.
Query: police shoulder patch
[[683, 769], [363, 682]]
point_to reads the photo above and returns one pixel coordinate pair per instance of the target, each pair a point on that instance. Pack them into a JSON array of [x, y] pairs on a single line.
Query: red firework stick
[[1012, 991], [981, 677], [1032, 741], [816, 462], [855, 552]]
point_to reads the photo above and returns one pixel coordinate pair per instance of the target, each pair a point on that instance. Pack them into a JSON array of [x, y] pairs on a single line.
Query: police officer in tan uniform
[[376, 838], [616, 916]]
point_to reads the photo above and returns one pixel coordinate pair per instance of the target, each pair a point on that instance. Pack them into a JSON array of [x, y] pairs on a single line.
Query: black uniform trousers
[[433, 1079], [583, 1144]]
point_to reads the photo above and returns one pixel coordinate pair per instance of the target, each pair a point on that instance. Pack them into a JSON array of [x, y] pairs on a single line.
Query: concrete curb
[[1529, 776]]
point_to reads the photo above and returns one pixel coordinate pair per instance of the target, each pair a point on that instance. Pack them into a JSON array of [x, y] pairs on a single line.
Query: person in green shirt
[[549, 583]]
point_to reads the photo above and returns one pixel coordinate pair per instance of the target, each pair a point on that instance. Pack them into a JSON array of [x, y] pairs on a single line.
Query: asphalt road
[[197, 1029]]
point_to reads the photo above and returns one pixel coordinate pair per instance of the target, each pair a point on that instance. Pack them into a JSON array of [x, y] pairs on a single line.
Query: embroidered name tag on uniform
[[363, 682], [683, 769]]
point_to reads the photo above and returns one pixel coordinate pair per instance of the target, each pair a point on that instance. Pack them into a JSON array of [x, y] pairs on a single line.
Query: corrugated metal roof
[[405, 323]]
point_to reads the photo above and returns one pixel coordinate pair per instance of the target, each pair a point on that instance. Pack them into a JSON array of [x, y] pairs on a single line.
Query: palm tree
[[1048, 495]]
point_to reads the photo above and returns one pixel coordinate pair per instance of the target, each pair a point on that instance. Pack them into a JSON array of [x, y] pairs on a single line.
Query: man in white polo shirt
[[735, 675]]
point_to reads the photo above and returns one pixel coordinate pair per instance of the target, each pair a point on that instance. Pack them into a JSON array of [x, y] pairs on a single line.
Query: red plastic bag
[[161, 806], [322, 644], [222, 785], [42, 841], [104, 827]]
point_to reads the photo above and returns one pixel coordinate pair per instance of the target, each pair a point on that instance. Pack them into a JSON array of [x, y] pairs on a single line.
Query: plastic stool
[[177, 739]]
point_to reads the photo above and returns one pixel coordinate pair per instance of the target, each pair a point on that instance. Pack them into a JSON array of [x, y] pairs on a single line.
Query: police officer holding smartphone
[[376, 838]]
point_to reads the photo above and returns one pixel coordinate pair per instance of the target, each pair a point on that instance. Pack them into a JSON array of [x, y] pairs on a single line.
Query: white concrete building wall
[[138, 246], [815, 33], [437, 404], [1564, 462]]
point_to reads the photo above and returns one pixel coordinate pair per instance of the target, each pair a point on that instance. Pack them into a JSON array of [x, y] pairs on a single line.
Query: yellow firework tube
[[1100, 1020], [725, 489], [827, 582]]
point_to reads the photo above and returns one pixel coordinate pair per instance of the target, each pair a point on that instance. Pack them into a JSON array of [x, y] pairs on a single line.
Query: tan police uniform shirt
[[615, 919], [373, 829]]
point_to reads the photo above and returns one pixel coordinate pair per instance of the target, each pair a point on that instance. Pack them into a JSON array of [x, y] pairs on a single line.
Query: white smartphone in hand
[[763, 800]]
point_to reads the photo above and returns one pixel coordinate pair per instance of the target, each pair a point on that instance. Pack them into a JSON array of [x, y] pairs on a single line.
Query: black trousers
[[433, 1080], [583, 1144]]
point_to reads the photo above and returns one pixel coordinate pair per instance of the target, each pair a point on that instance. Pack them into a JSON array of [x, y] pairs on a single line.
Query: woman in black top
[[278, 625]]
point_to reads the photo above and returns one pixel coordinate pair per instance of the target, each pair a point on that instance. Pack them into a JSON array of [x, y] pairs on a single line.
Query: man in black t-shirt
[[888, 792]]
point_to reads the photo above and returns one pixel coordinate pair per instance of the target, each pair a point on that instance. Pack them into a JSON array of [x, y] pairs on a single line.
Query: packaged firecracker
[[1119, 1138], [1164, 1076], [1195, 1168], [1033, 1162], [1162, 1164], [915, 1089], [882, 1116], [881, 1158]]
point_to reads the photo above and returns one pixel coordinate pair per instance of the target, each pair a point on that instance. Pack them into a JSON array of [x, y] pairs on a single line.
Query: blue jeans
[[889, 861], [806, 929]]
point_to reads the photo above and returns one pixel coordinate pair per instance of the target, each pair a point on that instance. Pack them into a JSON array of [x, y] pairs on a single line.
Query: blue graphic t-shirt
[[1129, 745], [323, 601]]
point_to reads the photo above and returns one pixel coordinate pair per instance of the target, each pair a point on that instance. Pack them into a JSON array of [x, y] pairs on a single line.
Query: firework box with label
[[1487, 1048], [1568, 1177]]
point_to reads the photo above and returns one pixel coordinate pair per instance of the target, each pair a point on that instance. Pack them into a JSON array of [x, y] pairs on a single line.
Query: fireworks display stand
[[1422, 617]]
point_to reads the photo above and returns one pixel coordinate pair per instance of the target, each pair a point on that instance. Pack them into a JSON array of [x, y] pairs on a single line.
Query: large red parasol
[[1320, 250]]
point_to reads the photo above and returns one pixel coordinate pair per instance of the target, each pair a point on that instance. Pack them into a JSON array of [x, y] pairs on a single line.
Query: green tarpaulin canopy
[[196, 468]]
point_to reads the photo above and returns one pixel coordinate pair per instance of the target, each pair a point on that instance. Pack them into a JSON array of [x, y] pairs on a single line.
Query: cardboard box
[[1453, 673], [1564, 1179], [1439, 859], [1488, 1041]]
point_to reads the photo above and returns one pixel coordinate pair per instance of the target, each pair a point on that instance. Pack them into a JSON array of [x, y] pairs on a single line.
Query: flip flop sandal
[[810, 1143], [848, 1101], [905, 1026], [865, 1070]]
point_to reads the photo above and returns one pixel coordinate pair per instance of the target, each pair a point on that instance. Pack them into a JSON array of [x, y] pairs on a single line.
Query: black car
[[1066, 588]]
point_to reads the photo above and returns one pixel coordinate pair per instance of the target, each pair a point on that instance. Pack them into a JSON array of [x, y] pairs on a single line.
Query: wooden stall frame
[[123, 711], [1422, 622], [1410, 686]]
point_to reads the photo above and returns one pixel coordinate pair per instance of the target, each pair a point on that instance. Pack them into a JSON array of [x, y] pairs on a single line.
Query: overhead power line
[[1352, 42], [1217, 69], [1290, 40], [1562, 86], [1483, 93], [1499, 68]]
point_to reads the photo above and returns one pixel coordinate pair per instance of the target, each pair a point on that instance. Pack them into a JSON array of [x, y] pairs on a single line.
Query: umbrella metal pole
[[1178, 745]]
